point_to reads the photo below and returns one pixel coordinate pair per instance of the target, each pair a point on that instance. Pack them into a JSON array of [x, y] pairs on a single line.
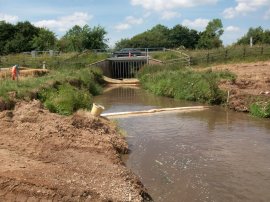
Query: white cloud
[[244, 6], [232, 29], [134, 21], [161, 5], [167, 15], [8, 18], [122, 26], [147, 14], [267, 15], [62, 24], [198, 23], [128, 22]]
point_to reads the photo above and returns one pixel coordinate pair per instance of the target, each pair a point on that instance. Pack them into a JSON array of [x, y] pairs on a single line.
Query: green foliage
[[165, 55], [17, 38], [66, 99], [182, 36], [162, 36], [64, 90], [82, 38], [24, 37], [259, 36], [63, 61], [232, 54], [180, 83], [210, 38], [260, 109], [45, 40]]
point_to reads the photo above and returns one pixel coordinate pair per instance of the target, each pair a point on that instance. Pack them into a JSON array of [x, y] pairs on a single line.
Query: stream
[[211, 155]]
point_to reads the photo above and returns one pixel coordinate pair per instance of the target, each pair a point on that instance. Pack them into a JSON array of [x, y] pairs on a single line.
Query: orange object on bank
[[14, 72]]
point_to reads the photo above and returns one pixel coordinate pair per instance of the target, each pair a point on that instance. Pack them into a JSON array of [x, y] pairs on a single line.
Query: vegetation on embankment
[[260, 109], [62, 91], [71, 60], [223, 55], [184, 83], [68, 86]]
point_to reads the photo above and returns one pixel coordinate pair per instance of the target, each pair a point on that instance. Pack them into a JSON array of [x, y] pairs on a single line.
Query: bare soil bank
[[48, 157], [251, 85]]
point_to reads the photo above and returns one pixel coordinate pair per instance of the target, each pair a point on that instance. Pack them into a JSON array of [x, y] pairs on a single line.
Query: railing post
[[208, 57]]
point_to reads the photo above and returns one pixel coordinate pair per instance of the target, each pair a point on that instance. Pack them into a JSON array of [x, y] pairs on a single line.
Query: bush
[[182, 83], [260, 109], [65, 99]]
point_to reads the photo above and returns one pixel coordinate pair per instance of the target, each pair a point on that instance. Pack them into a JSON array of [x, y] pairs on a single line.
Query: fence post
[[244, 52], [226, 54], [262, 50], [208, 56]]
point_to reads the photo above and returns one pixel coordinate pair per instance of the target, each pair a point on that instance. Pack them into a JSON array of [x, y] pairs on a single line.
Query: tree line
[[178, 36], [23, 36]]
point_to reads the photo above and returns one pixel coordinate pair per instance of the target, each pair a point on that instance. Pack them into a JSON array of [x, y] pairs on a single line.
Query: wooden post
[[228, 96], [262, 50], [244, 52], [226, 54], [208, 56]]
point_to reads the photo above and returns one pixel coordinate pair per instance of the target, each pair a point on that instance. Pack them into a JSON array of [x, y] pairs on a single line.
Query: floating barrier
[[152, 111]]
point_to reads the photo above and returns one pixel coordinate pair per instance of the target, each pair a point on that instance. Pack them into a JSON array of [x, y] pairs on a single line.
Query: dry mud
[[48, 157], [252, 84]]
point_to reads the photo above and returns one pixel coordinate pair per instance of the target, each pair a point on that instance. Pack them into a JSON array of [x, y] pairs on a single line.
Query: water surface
[[212, 155]]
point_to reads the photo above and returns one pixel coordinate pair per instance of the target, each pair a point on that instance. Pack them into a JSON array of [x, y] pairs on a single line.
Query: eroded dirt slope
[[252, 84], [47, 157]]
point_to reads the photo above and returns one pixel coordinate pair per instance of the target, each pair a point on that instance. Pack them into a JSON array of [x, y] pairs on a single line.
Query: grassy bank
[[63, 90], [62, 61], [260, 109], [232, 54], [182, 83]]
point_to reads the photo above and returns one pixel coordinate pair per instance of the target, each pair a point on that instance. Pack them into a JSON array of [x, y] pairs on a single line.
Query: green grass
[[182, 83], [66, 99], [64, 60], [260, 109], [231, 54], [165, 55], [63, 91]]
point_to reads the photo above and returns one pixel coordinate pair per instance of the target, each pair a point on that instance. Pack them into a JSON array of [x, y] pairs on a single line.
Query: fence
[[224, 55]]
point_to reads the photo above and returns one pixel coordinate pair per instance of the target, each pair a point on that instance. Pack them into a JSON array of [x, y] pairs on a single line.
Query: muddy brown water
[[212, 155]]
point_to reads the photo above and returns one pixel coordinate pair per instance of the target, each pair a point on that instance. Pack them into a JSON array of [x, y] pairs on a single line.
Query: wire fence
[[224, 55], [182, 58]]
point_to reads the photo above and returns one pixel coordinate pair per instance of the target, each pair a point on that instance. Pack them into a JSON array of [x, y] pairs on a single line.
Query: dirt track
[[47, 157], [252, 84]]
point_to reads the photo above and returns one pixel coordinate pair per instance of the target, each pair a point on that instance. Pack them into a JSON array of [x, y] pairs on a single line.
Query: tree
[[259, 36], [45, 40], [7, 32], [123, 43], [210, 38], [21, 37], [162, 36], [81, 38], [182, 36], [96, 38]]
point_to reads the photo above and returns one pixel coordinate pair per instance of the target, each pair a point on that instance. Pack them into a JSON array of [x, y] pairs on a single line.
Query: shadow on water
[[211, 155]]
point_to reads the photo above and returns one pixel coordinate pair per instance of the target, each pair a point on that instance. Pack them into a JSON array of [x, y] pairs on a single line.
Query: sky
[[126, 18]]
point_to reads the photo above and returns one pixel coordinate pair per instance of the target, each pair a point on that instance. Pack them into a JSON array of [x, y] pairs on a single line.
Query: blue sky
[[125, 18]]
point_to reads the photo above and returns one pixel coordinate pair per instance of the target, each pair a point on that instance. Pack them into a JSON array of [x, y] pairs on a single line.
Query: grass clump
[[181, 83], [65, 99], [260, 109], [62, 91], [165, 55]]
